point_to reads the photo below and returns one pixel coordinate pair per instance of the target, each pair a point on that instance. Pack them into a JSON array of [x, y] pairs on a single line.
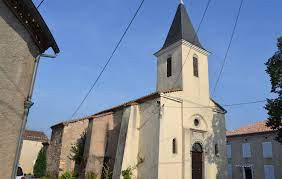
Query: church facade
[[177, 132]]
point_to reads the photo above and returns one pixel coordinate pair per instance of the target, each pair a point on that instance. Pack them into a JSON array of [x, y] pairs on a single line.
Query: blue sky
[[86, 32]]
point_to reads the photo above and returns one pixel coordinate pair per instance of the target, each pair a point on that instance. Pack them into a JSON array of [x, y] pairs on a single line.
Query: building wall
[[102, 140], [72, 133], [29, 153], [62, 138], [179, 124], [175, 80], [17, 55], [54, 151], [149, 136], [256, 159]]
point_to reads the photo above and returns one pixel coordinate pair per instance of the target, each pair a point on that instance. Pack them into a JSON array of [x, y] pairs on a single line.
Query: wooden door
[[197, 165]]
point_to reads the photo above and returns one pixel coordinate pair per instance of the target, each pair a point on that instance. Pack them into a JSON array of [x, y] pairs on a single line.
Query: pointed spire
[[181, 29], [181, 2]]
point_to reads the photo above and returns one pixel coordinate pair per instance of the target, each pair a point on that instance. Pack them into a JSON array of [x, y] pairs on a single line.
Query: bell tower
[[182, 62]]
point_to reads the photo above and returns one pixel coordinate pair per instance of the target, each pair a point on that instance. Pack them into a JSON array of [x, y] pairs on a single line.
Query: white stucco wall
[[149, 139], [30, 150]]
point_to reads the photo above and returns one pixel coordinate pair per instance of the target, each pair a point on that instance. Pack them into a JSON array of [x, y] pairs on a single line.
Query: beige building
[[177, 132], [253, 153], [24, 36], [32, 143]]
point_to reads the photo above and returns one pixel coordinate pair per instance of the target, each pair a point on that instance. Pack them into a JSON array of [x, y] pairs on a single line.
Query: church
[[177, 132]]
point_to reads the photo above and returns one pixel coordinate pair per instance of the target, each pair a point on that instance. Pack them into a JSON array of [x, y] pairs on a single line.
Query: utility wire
[[194, 38], [108, 61], [225, 105], [229, 45], [40, 4]]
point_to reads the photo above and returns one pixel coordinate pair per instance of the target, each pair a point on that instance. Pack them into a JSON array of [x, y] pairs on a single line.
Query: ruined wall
[[72, 133], [63, 137], [54, 151], [17, 55]]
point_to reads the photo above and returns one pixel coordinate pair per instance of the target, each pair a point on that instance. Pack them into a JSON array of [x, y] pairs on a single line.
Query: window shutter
[[269, 172], [267, 149], [229, 170], [228, 147], [246, 150]]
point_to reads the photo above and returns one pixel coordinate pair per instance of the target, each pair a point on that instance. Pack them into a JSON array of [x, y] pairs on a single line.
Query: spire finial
[[181, 2]]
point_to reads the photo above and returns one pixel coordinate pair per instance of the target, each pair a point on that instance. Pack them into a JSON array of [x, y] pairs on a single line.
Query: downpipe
[[27, 105]]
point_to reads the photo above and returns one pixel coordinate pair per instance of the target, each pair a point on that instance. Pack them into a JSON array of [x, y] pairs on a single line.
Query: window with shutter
[[269, 172], [228, 147], [246, 150], [229, 170], [267, 149]]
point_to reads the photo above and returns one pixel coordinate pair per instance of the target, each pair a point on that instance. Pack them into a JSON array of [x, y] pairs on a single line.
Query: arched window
[[197, 147], [195, 66], [168, 67], [174, 146]]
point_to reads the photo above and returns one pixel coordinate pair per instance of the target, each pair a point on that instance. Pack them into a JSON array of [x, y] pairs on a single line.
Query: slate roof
[[29, 16], [258, 127], [182, 29], [35, 136]]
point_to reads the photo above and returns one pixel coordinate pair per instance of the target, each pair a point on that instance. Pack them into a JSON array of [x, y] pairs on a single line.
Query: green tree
[[274, 106], [39, 168], [77, 151]]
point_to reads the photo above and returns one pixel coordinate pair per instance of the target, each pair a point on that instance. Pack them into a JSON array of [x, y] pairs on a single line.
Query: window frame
[[269, 168], [246, 149], [267, 153], [229, 151]]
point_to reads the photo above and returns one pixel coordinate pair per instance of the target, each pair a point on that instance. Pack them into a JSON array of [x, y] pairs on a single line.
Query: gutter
[[27, 105]]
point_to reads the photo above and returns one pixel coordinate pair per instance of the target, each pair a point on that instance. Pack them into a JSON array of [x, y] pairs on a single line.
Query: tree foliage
[[39, 168], [274, 106], [77, 151]]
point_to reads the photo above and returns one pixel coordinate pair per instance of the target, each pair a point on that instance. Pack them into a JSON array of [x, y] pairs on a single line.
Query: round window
[[196, 122]]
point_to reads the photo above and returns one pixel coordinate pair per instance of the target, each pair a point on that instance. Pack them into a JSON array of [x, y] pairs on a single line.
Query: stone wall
[[72, 133], [17, 55], [63, 137], [54, 151]]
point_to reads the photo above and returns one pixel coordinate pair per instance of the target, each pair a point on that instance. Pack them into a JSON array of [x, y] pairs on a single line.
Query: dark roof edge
[[115, 108], [27, 5], [218, 105]]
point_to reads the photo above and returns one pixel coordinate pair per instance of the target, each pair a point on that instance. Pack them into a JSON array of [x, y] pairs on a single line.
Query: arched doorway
[[197, 161]]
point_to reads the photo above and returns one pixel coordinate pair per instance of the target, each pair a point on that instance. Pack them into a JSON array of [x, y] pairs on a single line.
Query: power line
[[194, 38], [244, 103], [40, 3], [108, 61], [225, 105], [229, 45]]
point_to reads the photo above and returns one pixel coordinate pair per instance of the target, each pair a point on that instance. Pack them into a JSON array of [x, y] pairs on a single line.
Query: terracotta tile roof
[[35, 135], [258, 127]]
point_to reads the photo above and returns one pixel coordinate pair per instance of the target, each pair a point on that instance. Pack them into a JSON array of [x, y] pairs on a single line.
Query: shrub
[[39, 168], [66, 175]]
